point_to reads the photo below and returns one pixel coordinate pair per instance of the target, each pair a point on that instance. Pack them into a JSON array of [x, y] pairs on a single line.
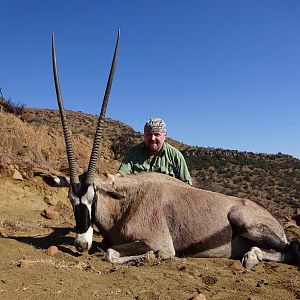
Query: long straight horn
[[67, 135], [98, 133]]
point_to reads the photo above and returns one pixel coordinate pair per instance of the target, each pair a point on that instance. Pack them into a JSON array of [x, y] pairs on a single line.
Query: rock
[[25, 263], [17, 175], [50, 213], [52, 250], [199, 297]]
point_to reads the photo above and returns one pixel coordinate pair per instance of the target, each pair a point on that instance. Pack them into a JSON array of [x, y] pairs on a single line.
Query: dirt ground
[[27, 271]]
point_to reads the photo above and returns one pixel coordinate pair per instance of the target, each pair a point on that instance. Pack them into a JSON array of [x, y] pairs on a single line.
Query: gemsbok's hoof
[[252, 258], [112, 256]]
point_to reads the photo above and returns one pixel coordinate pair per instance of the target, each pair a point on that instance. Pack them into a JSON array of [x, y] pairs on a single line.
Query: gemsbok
[[150, 211]]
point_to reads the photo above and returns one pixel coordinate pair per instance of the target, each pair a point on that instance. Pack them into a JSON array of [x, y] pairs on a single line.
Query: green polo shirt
[[169, 161]]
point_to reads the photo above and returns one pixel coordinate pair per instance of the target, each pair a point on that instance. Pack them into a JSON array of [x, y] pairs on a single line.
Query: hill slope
[[33, 140]]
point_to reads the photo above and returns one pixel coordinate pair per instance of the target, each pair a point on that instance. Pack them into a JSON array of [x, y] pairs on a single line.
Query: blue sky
[[222, 74]]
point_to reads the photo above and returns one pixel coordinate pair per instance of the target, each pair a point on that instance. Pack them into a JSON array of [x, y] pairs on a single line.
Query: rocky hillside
[[31, 140]]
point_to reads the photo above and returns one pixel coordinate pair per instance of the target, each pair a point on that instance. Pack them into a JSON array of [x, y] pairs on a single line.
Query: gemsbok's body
[[151, 211]]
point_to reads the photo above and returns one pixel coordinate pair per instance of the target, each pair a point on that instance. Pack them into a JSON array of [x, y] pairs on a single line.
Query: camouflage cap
[[155, 125]]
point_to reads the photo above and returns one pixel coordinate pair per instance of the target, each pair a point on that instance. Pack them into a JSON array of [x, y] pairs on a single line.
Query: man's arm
[[126, 165], [184, 174]]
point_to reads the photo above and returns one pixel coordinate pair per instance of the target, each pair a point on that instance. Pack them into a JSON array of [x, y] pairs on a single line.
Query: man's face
[[154, 140]]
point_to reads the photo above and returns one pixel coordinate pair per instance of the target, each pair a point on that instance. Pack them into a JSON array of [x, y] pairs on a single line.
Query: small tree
[[10, 107]]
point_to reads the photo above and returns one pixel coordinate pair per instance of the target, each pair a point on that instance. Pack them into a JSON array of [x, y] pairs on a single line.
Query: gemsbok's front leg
[[128, 252]]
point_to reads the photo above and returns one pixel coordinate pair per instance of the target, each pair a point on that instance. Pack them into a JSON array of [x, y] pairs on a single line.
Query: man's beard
[[153, 148]]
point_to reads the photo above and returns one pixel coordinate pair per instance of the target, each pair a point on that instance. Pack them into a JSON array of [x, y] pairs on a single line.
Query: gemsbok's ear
[[54, 181], [115, 195], [109, 190], [110, 179]]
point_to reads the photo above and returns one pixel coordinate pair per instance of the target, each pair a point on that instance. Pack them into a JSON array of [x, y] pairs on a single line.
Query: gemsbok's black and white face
[[83, 201], [82, 193]]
